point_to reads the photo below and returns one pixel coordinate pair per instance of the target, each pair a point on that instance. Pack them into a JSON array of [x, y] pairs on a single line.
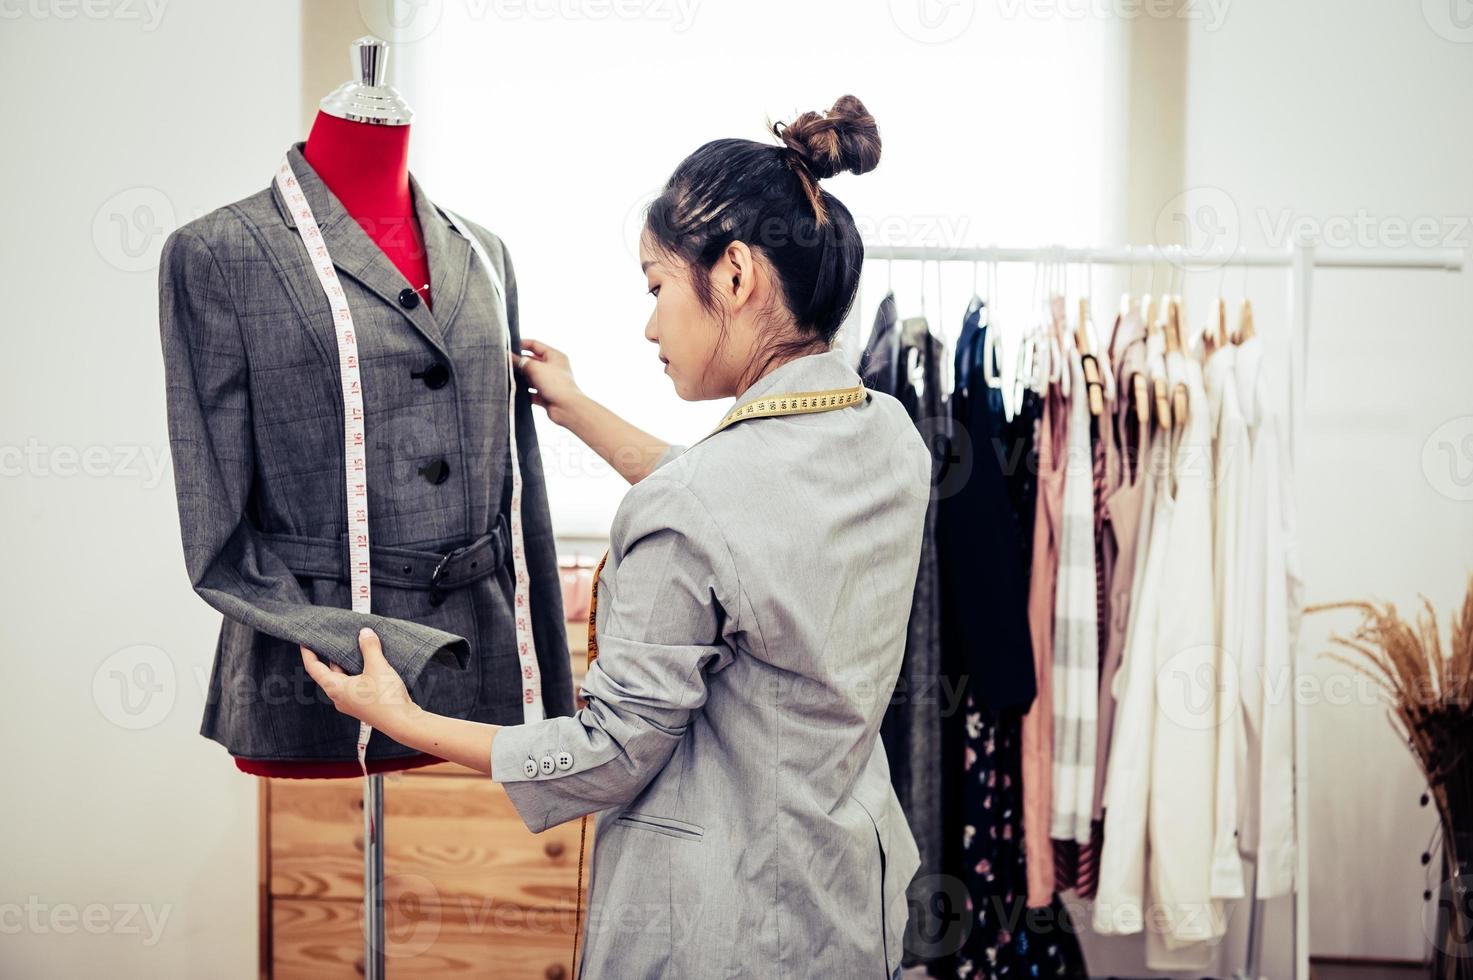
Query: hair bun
[[827, 143]]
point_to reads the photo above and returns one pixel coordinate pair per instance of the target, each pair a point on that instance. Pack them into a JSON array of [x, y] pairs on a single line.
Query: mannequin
[[359, 146]]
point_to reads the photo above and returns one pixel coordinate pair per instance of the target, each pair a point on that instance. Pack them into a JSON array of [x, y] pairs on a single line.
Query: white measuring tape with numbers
[[355, 456], [522, 597]]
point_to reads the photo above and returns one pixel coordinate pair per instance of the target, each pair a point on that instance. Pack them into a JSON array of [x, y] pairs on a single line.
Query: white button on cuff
[[530, 767], [564, 761], [547, 764]]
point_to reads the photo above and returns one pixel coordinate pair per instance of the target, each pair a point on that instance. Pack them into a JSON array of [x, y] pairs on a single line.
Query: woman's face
[[687, 334]]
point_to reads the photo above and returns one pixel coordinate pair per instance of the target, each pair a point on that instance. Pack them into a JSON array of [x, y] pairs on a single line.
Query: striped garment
[[1076, 630]]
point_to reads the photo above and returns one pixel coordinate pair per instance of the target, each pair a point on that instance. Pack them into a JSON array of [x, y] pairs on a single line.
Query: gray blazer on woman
[[751, 622], [256, 427]]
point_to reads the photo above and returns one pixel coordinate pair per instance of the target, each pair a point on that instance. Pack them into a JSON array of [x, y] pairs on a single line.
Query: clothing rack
[[1301, 260]]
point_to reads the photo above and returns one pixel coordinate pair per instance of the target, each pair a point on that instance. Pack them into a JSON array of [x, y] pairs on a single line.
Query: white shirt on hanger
[[1270, 607]]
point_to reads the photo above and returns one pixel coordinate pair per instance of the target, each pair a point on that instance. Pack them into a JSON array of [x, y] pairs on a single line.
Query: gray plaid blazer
[[256, 430], [752, 616]]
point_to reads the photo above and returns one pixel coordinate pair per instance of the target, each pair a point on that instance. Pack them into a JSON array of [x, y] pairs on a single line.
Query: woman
[[751, 609]]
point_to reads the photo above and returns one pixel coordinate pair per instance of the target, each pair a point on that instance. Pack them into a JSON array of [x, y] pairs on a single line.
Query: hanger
[[1245, 329], [1158, 381], [1084, 343], [1176, 340], [991, 356]]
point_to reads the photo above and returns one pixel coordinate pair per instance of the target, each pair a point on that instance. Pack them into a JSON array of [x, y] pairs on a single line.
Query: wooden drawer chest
[[468, 890]]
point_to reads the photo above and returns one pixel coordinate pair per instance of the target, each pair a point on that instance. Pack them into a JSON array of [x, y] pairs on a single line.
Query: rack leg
[[1250, 970], [373, 877]]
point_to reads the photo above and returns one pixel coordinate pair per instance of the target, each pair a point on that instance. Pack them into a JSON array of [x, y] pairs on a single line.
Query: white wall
[[553, 124], [129, 841]]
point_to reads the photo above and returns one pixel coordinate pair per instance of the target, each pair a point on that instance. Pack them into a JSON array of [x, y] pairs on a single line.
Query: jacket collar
[[811, 372], [360, 257]]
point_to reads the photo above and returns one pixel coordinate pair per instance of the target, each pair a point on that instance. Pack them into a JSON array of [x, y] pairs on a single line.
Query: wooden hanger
[[1215, 335], [1179, 393], [1092, 382], [1245, 323]]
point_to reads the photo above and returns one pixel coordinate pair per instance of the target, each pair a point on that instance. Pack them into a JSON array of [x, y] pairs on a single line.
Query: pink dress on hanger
[[1038, 724]]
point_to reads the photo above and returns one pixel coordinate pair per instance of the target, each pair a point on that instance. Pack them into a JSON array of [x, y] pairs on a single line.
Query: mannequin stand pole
[[373, 877]]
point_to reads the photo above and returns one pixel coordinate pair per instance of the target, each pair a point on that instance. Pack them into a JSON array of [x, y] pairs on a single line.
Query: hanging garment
[[1120, 895], [880, 363], [1266, 770], [1231, 462], [1004, 938], [984, 613], [256, 424], [1184, 749], [904, 360], [1020, 453], [734, 706], [1038, 724], [1076, 630], [1119, 526], [986, 645]]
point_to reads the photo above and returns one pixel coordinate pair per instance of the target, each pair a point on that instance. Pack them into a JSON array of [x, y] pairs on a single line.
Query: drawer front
[[321, 940], [447, 839]]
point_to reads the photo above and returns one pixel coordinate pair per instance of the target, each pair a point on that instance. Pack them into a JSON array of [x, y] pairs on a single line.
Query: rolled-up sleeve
[[667, 621]]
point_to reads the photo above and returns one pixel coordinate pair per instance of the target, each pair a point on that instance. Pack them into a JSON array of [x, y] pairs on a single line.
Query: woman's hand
[[376, 696], [549, 372]]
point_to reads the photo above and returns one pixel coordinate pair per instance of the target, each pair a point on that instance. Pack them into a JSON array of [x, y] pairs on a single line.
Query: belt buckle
[[437, 596]]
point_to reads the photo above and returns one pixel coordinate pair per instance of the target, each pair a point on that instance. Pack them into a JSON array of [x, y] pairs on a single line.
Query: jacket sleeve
[[549, 626], [663, 628], [208, 400]]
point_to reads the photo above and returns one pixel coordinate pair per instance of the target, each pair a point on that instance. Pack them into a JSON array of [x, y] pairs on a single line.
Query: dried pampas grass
[[1430, 693]]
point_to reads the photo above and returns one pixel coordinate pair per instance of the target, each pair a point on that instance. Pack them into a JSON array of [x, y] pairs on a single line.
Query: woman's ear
[[739, 271]]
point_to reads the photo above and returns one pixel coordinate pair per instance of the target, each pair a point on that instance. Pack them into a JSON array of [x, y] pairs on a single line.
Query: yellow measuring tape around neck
[[790, 403]]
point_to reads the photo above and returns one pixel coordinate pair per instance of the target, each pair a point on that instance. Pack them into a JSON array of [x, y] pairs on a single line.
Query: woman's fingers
[[320, 672], [372, 649]]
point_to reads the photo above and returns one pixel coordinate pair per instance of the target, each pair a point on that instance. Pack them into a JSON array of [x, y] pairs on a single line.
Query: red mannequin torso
[[367, 169]]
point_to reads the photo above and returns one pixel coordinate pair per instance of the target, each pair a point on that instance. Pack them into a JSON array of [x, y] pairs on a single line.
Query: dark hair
[[768, 197]]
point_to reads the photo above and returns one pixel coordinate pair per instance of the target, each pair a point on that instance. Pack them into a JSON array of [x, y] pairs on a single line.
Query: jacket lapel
[[448, 255], [356, 255]]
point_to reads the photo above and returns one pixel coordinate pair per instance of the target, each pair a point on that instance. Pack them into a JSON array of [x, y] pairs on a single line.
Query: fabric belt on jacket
[[402, 568]]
